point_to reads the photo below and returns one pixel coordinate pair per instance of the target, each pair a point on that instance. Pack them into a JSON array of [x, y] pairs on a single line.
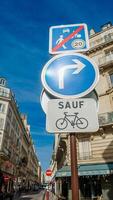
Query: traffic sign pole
[[47, 194], [74, 169]]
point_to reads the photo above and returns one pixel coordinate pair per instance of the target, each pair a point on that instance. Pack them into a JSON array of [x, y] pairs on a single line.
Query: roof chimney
[[92, 32]]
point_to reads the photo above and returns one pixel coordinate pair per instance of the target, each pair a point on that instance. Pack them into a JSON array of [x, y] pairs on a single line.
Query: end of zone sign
[[68, 38]]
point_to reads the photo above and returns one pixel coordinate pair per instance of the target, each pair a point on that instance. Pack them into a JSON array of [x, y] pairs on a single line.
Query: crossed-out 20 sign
[[68, 38]]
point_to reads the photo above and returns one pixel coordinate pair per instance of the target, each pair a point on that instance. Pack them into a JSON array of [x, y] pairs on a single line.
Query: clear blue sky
[[24, 36]]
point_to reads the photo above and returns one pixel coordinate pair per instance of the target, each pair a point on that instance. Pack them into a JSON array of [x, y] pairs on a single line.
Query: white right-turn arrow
[[78, 66]]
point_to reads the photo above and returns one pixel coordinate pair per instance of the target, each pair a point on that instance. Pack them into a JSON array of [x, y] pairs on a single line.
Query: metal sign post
[[74, 170]]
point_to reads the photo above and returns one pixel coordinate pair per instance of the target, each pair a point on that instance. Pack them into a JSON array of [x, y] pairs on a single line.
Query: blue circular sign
[[70, 75]]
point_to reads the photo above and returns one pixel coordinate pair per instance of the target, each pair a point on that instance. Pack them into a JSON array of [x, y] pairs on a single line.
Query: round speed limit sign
[[78, 43]]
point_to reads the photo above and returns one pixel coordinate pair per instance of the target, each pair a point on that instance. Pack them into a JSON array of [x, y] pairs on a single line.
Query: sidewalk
[[52, 196], [31, 195]]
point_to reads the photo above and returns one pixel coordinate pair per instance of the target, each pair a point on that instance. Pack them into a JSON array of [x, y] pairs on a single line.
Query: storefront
[[95, 181], [63, 182], [7, 169]]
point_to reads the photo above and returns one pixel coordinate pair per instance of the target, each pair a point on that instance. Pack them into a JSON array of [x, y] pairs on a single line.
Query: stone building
[[95, 150], [18, 159]]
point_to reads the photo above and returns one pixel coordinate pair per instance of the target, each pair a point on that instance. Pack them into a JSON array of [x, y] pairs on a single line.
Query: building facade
[[18, 160], [94, 150]]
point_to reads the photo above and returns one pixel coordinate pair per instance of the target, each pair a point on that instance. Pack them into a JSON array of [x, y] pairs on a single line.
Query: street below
[[38, 195]]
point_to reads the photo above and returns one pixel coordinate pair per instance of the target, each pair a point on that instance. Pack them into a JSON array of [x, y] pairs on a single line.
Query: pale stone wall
[[101, 142]]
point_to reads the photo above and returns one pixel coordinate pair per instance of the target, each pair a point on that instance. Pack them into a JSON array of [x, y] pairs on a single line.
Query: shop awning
[[87, 170], [63, 172]]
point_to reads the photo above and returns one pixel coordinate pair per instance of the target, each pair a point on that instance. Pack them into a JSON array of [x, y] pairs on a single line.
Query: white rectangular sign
[[72, 115]]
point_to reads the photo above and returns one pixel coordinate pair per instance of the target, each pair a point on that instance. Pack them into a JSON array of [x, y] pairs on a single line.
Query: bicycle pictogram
[[80, 122]]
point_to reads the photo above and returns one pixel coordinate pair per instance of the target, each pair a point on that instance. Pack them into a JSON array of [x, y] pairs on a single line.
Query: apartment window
[[5, 144], [84, 148], [1, 123], [7, 127], [2, 107], [111, 78], [13, 137], [14, 122], [18, 142], [17, 128], [4, 92], [9, 114], [107, 37], [12, 134], [109, 52], [12, 153]]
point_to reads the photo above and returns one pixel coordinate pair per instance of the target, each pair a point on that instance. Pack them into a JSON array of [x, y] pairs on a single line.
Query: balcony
[[105, 59], [5, 154], [5, 92], [106, 118], [84, 155], [24, 161], [101, 41]]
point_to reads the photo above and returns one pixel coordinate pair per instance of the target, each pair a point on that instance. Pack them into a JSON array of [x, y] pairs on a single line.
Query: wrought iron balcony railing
[[84, 155], [106, 118], [105, 59], [101, 41]]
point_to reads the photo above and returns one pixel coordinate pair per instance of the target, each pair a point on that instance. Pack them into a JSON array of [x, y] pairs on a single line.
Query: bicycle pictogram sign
[[72, 115], [74, 120]]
